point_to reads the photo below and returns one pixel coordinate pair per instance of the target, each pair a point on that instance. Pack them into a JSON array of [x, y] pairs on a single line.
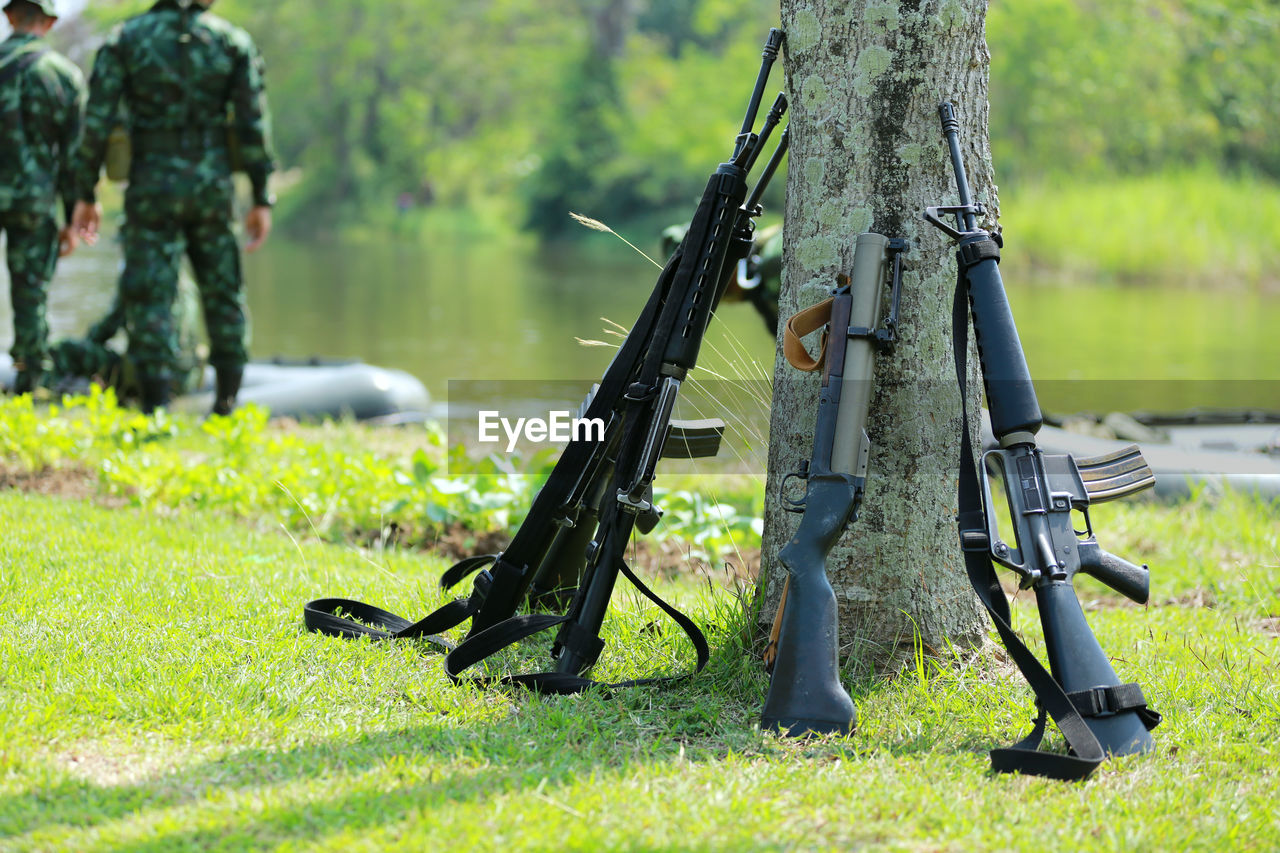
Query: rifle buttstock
[[805, 693]]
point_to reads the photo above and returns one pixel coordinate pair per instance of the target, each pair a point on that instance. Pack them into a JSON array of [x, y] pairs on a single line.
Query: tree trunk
[[867, 154]]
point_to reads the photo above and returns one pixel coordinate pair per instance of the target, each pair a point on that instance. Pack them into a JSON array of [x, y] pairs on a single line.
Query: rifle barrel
[[769, 168], [951, 130], [771, 47], [766, 130]]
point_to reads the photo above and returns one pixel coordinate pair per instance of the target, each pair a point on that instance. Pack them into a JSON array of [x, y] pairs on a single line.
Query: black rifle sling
[[503, 589], [492, 640], [343, 617], [1024, 756]]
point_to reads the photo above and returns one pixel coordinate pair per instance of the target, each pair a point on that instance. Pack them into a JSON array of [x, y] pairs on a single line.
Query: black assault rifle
[[805, 694], [1094, 711], [570, 546]]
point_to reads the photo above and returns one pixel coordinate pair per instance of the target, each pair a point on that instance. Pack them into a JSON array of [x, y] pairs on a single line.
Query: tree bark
[[866, 78]]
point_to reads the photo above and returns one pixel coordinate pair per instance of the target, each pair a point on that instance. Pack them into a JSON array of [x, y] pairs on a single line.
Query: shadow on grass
[[479, 763], [554, 739], [547, 744]]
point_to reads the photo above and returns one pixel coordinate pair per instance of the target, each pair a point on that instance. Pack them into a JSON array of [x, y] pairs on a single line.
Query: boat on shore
[[309, 389]]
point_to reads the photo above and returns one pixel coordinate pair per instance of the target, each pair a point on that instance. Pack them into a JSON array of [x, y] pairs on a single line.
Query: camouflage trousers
[[157, 231], [31, 254]]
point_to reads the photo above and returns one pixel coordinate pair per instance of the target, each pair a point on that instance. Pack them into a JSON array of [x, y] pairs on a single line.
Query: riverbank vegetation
[[339, 482], [389, 112], [1194, 227], [157, 691]]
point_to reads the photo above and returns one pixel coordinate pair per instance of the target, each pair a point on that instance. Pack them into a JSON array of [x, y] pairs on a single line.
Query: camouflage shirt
[[39, 127], [184, 75]]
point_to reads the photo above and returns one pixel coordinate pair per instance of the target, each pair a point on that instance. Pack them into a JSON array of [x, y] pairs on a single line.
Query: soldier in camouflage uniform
[[186, 78], [79, 362], [41, 97]]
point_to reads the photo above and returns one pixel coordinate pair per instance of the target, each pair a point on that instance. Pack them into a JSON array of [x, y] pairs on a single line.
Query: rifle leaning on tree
[[805, 694], [570, 546], [1094, 711]]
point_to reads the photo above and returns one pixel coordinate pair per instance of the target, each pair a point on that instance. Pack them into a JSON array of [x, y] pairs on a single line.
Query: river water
[[456, 310]]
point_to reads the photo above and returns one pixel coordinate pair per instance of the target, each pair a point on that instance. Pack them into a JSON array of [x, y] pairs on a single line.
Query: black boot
[[228, 387], [156, 390]]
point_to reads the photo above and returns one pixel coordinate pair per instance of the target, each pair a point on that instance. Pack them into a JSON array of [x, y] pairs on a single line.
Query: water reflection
[[454, 310]]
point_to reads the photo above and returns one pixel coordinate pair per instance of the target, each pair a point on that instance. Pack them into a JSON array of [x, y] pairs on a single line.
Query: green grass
[[157, 692], [1195, 227]]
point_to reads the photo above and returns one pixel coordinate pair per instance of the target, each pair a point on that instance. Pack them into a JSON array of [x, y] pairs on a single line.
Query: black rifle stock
[[570, 545], [1095, 712], [805, 694]]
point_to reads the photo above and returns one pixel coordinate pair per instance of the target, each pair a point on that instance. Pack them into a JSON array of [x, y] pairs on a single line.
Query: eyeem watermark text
[[560, 427]]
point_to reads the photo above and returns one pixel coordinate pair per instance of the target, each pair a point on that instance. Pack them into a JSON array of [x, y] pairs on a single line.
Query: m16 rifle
[[805, 694], [571, 544], [1094, 711]]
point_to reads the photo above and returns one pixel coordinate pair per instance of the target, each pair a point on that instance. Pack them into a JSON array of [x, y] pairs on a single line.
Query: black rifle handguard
[[1095, 712]]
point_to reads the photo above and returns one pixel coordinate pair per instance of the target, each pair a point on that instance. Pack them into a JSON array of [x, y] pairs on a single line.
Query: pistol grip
[[1128, 579]]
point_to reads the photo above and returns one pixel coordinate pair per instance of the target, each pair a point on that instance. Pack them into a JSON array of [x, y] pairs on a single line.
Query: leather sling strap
[[803, 323]]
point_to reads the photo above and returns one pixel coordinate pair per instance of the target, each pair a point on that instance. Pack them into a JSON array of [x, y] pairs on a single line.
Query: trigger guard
[[791, 504]]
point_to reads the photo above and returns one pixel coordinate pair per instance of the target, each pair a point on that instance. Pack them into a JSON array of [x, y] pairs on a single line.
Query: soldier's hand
[[258, 226], [85, 220], [67, 241]]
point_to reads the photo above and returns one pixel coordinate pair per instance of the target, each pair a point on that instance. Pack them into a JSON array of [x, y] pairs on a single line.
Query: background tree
[[524, 109], [867, 155]]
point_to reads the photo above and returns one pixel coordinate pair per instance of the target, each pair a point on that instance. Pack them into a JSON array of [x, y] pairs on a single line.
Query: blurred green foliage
[[1087, 89], [618, 107]]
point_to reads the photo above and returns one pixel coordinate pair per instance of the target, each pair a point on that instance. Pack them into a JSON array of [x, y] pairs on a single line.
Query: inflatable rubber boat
[[312, 389]]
